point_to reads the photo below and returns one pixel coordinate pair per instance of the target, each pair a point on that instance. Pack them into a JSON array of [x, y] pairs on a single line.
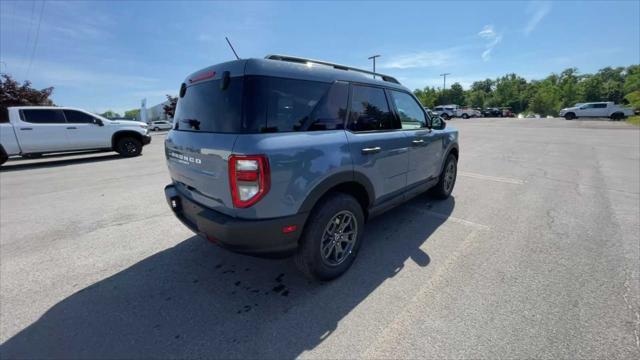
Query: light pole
[[444, 84], [374, 62]]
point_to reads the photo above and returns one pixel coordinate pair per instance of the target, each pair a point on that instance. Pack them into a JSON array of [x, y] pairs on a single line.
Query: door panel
[[420, 142], [42, 130], [82, 133], [385, 167], [378, 149]]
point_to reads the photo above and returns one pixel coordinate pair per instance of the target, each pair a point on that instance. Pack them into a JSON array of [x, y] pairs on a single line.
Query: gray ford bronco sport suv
[[287, 155]]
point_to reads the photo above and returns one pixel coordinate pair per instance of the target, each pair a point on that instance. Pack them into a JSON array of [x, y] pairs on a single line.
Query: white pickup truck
[[451, 111], [31, 131], [596, 109]]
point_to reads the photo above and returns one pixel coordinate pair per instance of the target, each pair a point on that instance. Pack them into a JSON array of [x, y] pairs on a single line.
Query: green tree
[[132, 114], [631, 86], [456, 94], [427, 96], [546, 99], [510, 92], [110, 114]]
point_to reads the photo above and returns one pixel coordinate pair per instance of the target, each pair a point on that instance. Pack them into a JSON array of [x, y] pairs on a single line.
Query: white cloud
[[487, 32], [537, 11], [419, 60], [492, 37]]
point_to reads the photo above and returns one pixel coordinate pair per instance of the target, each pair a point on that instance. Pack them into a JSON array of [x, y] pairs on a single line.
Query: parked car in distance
[[287, 155], [492, 112], [160, 125], [506, 112], [445, 111], [607, 109], [31, 131], [466, 112]]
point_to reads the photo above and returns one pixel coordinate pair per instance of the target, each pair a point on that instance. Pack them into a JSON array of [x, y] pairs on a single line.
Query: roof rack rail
[[335, 66]]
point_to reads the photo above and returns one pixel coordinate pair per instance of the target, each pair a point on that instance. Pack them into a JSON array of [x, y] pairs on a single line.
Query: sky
[[111, 55]]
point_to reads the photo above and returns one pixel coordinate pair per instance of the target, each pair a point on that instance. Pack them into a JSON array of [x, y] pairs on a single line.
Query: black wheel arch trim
[[122, 133], [332, 181]]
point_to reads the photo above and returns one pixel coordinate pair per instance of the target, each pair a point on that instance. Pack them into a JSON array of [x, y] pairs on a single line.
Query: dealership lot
[[535, 255]]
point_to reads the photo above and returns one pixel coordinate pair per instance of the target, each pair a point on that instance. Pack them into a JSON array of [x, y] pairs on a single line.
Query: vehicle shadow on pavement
[[45, 162], [196, 300]]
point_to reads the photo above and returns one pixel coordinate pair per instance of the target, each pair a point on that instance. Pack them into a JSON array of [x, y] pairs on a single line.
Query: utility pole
[[444, 84], [374, 62]]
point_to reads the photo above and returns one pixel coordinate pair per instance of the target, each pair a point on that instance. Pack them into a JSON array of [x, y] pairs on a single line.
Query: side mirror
[[437, 123], [98, 122]]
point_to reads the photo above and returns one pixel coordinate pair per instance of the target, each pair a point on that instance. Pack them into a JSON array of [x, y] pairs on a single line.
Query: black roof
[[295, 70]]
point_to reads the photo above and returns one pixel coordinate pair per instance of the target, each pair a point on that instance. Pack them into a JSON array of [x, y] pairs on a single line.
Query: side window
[[44, 116], [4, 115], [599, 106], [369, 110], [409, 111], [78, 117], [330, 113], [283, 104]]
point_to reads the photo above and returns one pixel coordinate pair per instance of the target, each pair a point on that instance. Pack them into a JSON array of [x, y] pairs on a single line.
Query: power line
[[26, 43], [35, 43]]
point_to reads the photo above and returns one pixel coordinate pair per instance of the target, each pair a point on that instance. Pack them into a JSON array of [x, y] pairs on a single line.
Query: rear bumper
[[146, 139], [254, 237]]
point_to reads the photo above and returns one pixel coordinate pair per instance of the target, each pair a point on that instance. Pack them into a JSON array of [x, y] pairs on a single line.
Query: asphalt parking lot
[[536, 254]]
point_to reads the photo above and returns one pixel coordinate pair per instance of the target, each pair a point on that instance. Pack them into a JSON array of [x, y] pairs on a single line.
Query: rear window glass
[[254, 104], [207, 107]]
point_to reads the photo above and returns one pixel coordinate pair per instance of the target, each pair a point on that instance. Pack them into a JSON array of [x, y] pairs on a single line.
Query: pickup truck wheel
[[331, 238], [156, 129], [444, 187], [465, 116], [569, 116], [617, 116], [3, 157], [129, 147], [445, 116]]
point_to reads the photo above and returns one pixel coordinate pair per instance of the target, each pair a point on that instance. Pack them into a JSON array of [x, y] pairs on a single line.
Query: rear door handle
[[71, 127], [371, 150], [417, 142], [26, 128]]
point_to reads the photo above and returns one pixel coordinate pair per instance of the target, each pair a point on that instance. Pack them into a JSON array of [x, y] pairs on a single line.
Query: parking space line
[[453, 219], [492, 178]]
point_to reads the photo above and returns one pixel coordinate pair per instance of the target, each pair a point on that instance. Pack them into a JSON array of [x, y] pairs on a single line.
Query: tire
[[617, 116], [569, 116], [3, 156], [447, 181], [309, 257], [445, 116], [129, 147], [156, 129], [465, 116]]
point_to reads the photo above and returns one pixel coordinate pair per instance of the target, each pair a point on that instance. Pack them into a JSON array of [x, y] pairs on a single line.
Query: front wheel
[[444, 187], [465, 116], [569, 116], [156, 129], [445, 116], [129, 147], [617, 116], [332, 237]]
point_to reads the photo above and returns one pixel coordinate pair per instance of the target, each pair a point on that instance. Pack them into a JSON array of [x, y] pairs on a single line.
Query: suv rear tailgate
[[197, 163]]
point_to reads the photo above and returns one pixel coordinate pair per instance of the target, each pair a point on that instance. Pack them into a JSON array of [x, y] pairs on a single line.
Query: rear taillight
[[249, 179]]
